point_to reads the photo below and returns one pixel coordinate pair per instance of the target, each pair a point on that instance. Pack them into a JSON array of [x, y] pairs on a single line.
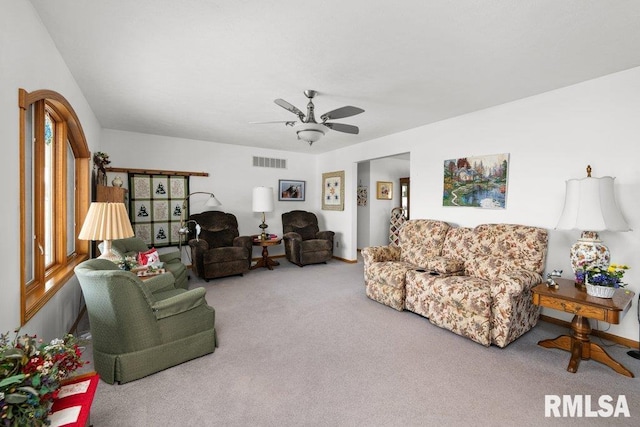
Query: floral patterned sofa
[[475, 282]]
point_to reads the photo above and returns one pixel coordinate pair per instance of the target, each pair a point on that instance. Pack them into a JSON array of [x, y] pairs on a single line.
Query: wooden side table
[[265, 261], [570, 299]]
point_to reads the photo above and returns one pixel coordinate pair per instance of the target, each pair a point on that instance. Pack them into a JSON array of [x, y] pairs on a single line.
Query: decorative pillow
[[149, 257], [308, 232]]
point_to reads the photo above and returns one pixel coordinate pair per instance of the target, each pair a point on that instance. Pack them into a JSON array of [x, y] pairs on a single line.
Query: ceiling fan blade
[[342, 112], [341, 127], [286, 122], [284, 104]]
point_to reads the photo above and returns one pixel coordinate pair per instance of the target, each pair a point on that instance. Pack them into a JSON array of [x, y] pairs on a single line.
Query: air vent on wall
[[267, 162]]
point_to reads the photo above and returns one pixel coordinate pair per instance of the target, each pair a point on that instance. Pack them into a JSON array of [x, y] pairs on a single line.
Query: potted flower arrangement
[[601, 281], [30, 375]]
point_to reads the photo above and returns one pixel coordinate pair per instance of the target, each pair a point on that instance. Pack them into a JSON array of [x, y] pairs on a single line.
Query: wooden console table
[[567, 297]]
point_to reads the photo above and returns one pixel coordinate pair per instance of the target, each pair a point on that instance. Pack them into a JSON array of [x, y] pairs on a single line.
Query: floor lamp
[[211, 202], [106, 221]]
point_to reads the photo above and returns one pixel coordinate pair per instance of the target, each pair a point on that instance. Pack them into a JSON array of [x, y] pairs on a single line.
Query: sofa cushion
[[456, 245], [526, 246], [489, 267], [421, 239]]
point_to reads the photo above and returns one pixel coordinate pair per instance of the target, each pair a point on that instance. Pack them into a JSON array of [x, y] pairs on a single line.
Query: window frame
[[47, 281]]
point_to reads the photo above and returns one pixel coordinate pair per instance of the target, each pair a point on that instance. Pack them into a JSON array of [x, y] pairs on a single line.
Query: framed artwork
[[478, 181], [291, 191], [362, 195], [384, 190], [333, 191], [155, 207]]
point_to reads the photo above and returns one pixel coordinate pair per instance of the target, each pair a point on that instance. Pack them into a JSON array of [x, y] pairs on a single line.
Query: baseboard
[[607, 336], [348, 261]]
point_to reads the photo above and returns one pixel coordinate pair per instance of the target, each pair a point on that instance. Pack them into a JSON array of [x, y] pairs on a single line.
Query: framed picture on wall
[[384, 190], [291, 191], [333, 191]]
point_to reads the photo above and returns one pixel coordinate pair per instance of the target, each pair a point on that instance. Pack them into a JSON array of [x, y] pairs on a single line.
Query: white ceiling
[[204, 69]]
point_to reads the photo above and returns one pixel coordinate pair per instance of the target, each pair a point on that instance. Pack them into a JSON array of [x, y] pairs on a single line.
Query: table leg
[[265, 261], [581, 347]]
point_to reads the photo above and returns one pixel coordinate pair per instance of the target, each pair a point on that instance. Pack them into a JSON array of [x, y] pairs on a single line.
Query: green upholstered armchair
[[142, 327], [172, 261]]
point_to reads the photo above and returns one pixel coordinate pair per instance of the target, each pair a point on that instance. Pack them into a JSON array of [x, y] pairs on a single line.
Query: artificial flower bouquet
[[30, 375], [597, 275]]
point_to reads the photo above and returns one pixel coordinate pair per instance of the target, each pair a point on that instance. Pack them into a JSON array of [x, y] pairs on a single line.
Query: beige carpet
[[306, 347]]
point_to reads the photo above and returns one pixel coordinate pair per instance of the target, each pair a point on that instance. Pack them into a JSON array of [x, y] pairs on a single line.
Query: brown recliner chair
[[304, 243], [219, 250]]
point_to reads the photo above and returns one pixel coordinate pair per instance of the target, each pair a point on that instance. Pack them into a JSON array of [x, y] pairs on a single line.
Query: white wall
[[551, 137], [231, 175], [29, 60], [363, 237]]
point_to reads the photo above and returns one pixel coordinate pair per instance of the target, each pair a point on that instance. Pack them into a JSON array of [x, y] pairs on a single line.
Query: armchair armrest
[[161, 282], [199, 245], [292, 235], [243, 241], [170, 257], [325, 235], [179, 303], [515, 282]]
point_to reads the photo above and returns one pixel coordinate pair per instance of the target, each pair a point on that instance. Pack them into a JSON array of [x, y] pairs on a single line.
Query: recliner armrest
[[200, 244], [243, 241], [292, 235], [325, 235], [179, 303]]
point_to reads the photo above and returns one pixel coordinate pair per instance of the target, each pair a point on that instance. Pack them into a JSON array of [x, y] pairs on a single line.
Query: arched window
[[54, 196]]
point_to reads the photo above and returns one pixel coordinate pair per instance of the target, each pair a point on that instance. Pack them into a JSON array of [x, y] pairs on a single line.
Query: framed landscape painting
[[291, 191], [333, 191], [477, 181]]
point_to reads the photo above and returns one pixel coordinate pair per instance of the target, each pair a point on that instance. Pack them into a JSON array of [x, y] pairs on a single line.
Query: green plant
[[30, 375]]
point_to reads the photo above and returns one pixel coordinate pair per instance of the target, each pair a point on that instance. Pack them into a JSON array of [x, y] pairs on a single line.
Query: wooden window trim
[[35, 295]]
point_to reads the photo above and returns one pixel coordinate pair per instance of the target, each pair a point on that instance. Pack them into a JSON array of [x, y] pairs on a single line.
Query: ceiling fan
[[308, 129]]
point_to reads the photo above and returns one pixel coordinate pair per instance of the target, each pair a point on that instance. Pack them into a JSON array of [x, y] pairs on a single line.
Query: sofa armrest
[[161, 282], [380, 254], [515, 282], [179, 303]]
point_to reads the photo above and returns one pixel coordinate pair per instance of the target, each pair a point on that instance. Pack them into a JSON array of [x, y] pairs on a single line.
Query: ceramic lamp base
[[589, 251]]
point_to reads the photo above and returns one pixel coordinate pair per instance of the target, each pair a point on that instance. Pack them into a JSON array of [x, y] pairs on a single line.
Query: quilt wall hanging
[[478, 181], [155, 207]]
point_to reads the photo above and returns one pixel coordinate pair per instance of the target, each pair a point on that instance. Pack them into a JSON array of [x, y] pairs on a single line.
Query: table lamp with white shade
[[263, 202], [106, 221], [590, 206]]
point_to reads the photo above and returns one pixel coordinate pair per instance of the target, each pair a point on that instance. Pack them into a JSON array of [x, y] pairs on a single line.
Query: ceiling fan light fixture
[[310, 132]]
